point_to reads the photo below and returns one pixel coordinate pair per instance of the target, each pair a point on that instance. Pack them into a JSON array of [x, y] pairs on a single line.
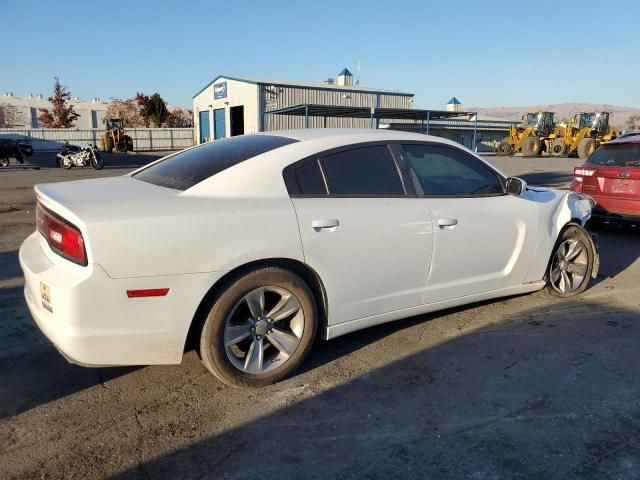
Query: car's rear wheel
[[259, 329], [571, 264]]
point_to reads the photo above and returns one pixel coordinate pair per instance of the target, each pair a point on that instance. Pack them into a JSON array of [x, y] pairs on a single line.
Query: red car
[[611, 176]]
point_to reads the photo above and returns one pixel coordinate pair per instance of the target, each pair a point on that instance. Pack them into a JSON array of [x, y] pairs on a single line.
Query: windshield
[[586, 120], [623, 155], [532, 119]]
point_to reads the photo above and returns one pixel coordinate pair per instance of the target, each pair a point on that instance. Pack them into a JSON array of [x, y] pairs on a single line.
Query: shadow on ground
[[531, 397]]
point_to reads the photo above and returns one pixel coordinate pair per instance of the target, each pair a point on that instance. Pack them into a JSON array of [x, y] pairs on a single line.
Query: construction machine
[[582, 135], [115, 137], [532, 137]]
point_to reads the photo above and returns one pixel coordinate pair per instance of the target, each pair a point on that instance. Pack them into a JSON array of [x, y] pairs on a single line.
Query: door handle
[[325, 223], [448, 223]]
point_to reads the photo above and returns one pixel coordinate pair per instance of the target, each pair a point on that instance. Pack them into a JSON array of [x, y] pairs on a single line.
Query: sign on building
[[220, 90]]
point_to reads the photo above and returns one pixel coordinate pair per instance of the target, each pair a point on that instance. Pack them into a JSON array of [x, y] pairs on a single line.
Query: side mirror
[[515, 186]]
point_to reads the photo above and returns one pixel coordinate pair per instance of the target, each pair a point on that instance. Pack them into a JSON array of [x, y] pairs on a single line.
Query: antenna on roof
[[358, 74]]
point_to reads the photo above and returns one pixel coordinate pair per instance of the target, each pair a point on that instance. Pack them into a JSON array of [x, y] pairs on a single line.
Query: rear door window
[[185, 169], [365, 171]]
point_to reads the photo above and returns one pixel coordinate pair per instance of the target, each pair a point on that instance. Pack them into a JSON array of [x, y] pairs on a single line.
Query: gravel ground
[[525, 387]]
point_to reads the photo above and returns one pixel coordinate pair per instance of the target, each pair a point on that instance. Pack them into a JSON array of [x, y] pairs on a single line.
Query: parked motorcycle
[[72, 156]]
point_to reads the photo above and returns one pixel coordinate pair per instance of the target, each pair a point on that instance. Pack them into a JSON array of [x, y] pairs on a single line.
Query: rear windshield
[[622, 155], [183, 170]]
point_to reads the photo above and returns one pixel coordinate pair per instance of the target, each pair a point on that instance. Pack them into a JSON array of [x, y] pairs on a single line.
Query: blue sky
[[487, 53]]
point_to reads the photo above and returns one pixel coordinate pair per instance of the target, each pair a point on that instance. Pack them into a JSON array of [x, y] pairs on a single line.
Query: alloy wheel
[[570, 266], [263, 330]]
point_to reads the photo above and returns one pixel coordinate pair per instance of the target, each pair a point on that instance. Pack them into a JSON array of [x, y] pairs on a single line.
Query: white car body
[[384, 258]]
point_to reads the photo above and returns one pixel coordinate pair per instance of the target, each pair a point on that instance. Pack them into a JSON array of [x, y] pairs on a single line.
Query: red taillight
[[584, 172], [63, 238]]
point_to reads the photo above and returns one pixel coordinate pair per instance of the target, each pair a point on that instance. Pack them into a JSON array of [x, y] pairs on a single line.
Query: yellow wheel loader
[[115, 138], [532, 137], [583, 135]]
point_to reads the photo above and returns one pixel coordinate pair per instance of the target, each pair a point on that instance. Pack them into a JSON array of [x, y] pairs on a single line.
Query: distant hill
[[619, 115]]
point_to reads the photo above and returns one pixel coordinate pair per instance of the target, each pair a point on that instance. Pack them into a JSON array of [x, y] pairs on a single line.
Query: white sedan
[[254, 245]]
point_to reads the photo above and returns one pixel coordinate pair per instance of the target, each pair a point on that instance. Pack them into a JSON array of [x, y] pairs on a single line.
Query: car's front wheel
[[571, 264], [259, 329]]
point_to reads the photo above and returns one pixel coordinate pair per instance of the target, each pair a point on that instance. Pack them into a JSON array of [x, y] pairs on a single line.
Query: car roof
[[633, 138], [340, 133]]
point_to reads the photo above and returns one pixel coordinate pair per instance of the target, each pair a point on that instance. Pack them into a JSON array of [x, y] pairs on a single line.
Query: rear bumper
[[92, 322], [599, 214], [616, 209]]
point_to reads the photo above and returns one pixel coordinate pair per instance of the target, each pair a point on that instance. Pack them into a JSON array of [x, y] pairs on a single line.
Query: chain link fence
[[144, 139]]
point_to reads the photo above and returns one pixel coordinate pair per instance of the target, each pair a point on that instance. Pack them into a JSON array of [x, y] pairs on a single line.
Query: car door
[[483, 238], [367, 236]]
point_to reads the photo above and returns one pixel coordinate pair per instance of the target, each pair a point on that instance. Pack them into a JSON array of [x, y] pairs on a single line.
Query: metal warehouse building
[[230, 106]]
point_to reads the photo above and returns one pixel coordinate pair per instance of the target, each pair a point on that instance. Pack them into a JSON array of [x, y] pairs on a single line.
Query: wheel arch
[[308, 274], [574, 222]]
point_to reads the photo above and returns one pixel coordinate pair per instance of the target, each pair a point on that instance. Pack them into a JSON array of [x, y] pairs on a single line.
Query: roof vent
[[95, 100], [8, 94], [345, 78], [30, 95], [329, 81], [40, 97], [76, 99]]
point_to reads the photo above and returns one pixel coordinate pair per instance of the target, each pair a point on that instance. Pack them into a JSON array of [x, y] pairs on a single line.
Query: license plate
[[45, 296], [623, 186]]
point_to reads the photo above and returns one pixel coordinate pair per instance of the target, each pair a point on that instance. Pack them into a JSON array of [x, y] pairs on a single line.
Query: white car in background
[[256, 244]]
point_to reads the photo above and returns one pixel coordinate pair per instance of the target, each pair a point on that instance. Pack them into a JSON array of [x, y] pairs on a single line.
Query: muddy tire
[[504, 148], [558, 148], [531, 147], [586, 147]]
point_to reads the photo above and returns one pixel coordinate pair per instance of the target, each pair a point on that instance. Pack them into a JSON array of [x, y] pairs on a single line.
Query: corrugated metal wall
[[275, 97], [144, 139]]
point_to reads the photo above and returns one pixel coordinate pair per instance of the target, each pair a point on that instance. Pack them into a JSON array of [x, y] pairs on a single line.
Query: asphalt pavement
[[524, 387]]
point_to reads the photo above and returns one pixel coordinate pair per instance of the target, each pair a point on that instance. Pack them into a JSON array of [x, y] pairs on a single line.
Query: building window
[[94, 119]]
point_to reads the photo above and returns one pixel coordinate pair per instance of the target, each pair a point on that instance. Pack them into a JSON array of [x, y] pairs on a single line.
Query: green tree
[[62, 115], [158, 112]]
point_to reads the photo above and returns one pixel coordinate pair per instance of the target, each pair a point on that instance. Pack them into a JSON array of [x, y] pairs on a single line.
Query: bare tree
[[128, 110], [633, 122], [11, 115], [179, 118]]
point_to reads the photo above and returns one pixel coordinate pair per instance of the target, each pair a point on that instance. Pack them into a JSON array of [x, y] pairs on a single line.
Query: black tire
[[66, 166], [4, 162], [586, 147], [577, 234], [212, 348], [96, 161], [531, 147], [504, 148], [558, 147]]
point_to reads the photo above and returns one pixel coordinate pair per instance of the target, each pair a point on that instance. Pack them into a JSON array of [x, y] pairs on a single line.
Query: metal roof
[[286, 83], [454, 101], [345, 71], [313, 110]]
